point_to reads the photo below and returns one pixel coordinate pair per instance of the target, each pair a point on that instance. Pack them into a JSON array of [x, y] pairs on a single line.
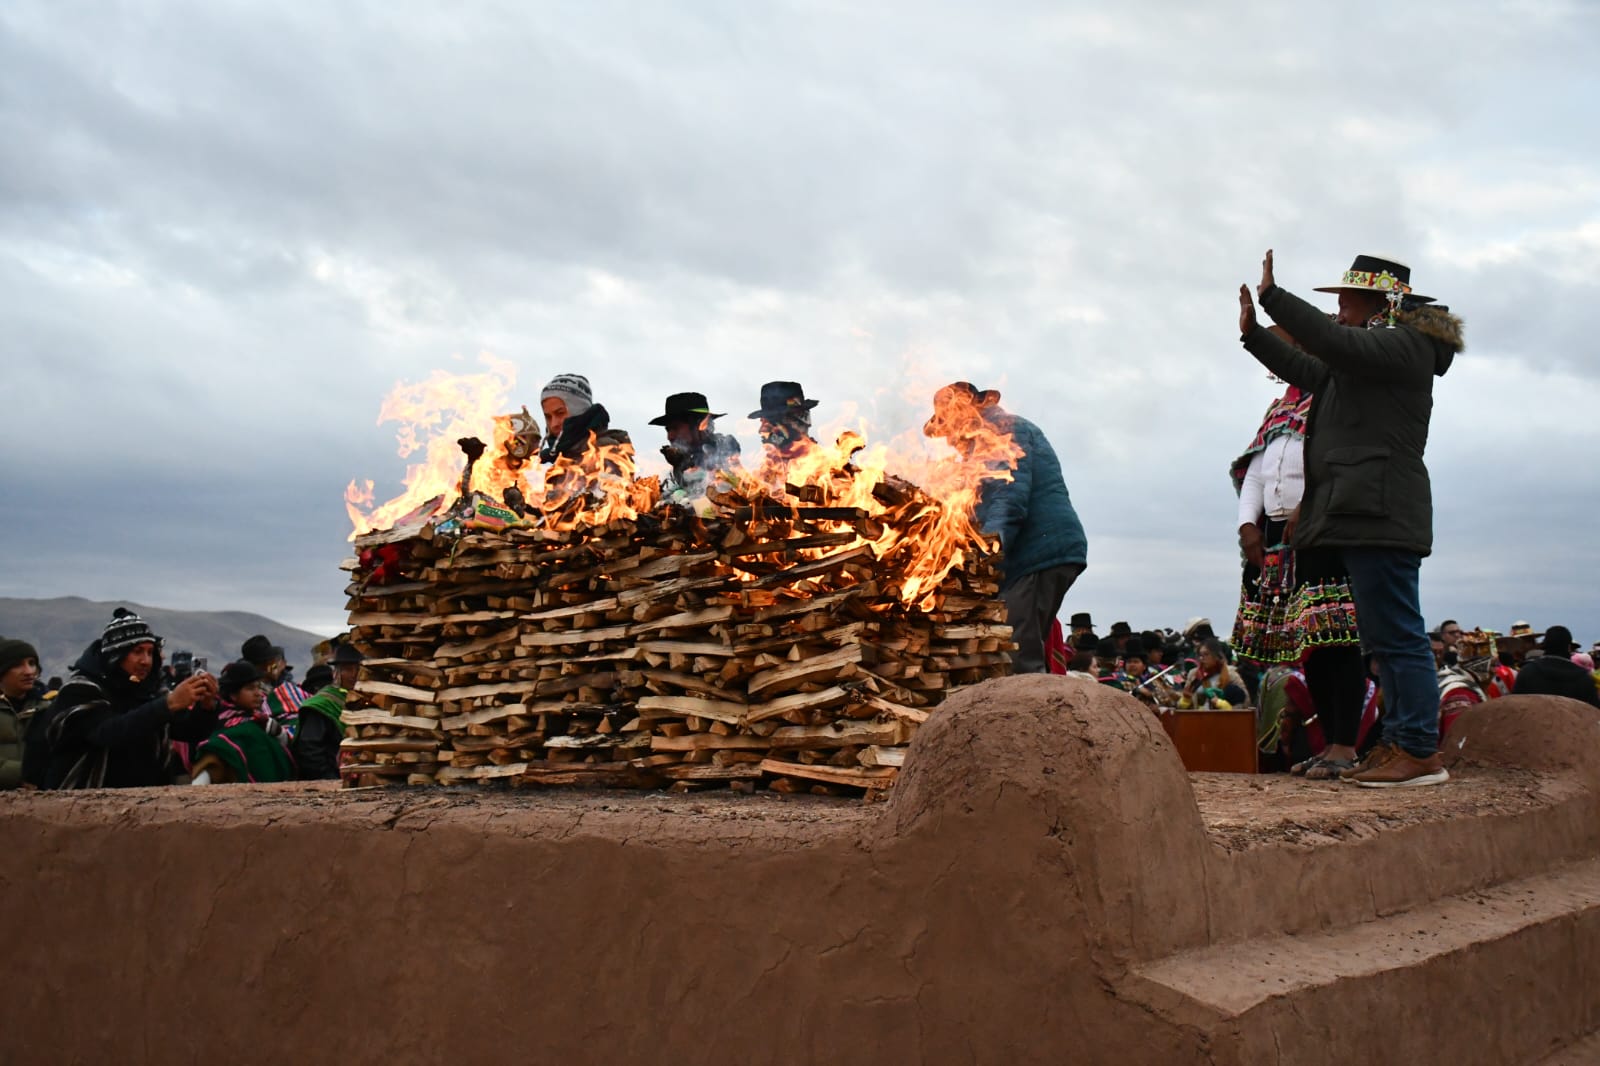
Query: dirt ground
[[1241, 811]]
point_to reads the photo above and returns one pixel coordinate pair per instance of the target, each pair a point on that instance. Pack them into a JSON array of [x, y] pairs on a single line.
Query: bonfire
[[565, 625]]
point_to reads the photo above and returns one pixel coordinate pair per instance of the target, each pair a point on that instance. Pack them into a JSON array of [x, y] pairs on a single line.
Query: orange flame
[[923, 498], [433, 414]]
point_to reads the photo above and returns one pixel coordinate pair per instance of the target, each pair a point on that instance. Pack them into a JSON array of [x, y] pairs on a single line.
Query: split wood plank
[[800, 701], [573, 636], [843, 734], [683, 706], [387, 688], [360, 718], [826, 665], [875, 755], [877, 777], [708, 742], [472, 647]]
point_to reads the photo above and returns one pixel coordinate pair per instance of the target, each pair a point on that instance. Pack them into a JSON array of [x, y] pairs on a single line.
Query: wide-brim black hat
[[782, 398], [686, 406], [1372, 273], [1081, 619]]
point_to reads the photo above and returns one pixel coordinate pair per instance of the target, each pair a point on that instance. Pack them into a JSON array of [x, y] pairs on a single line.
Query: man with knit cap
[[112, 723], [571, 416], [20, 698]]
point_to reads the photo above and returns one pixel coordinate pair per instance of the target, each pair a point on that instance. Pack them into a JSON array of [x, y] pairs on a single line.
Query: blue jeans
[[1389, 614]]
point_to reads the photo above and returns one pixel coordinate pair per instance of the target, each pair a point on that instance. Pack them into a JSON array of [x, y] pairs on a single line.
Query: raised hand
[[1247, 311], [1266, 274]]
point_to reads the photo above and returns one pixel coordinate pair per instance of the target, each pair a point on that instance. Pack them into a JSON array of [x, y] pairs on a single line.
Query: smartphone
[[200, 664]]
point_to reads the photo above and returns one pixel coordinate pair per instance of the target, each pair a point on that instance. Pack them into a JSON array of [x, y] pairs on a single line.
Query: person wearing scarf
[[1295, 607], [321, 727], [316, 742]]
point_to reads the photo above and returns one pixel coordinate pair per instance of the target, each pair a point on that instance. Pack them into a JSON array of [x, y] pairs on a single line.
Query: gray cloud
[[226, 231]]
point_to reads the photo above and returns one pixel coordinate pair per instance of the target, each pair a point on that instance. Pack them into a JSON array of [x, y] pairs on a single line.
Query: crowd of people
[[1335, 518], [125, 718]]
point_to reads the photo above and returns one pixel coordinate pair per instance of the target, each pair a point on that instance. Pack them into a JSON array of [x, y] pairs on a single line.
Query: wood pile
[[767, 645]]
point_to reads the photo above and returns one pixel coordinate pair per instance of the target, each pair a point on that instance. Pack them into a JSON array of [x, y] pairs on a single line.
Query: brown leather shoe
[[1404, 770], [1380, 754]]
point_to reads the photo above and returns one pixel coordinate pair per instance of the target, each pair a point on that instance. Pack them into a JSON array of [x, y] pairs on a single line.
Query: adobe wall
[[1042, 838]]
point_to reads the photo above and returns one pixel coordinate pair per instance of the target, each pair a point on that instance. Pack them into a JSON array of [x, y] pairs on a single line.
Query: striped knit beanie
[[571, 389], [124, 632]]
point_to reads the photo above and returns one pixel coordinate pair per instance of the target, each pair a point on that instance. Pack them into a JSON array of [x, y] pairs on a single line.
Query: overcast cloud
[[227, 229]]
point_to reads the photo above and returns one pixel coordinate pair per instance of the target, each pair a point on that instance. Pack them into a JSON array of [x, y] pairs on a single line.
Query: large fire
[[920, 494]]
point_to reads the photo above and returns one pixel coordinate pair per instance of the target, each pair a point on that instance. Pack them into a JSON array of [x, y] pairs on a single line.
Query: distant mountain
[[61, 628]]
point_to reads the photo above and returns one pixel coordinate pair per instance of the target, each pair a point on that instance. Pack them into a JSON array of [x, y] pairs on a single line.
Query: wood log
[[798, 702], [670, 706], [867, 777], [826, 665]]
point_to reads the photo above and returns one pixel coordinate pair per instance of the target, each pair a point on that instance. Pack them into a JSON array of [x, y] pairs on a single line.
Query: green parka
[[1366, 483]]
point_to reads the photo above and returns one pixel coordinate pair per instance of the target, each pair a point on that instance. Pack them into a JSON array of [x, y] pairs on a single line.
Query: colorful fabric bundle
[[250, 753]]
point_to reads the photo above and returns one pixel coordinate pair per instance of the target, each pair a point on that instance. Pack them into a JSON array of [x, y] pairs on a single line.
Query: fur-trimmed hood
[[1436, 323]]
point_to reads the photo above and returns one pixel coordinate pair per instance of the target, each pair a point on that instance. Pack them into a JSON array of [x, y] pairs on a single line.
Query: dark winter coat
[[317, 738], [15, 719], [1551, 675], [105, 731], [1366, 483], [1032, 513], [573, 441]]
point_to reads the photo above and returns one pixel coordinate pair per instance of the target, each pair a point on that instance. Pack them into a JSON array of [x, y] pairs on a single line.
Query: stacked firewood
[[765, 644]]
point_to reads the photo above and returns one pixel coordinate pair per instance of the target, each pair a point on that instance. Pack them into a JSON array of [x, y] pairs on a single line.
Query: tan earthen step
[[1496, 976]]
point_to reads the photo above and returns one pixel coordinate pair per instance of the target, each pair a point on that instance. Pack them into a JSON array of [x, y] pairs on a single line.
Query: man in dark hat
[[283, 695], [785, 416], [1041, 538], [112, 723], [1367, 493], [1120, 632], [1081, 623], [20, 698], [694, 449], [1553, 673], [321, 724]]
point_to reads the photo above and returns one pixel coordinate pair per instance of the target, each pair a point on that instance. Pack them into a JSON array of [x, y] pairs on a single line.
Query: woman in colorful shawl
[[1295, 607]]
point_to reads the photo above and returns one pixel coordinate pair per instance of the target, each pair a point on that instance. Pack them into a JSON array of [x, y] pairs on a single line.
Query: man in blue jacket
[[1042, 540]]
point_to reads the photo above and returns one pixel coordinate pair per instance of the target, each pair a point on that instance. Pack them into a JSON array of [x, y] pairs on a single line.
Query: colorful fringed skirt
[[1295, 603]]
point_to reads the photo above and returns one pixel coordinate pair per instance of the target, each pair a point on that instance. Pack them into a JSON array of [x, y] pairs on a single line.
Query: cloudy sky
[[228, 229]]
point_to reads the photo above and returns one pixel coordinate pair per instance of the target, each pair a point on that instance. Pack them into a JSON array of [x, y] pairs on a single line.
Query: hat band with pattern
[[1381, 280]]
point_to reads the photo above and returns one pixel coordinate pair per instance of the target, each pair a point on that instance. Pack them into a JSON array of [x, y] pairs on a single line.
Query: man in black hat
[[1553, 673], [1367, 494], [321, 724], [1081, 623], [1041, 539], [694, 449], [785, 416], [1120, 632]]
